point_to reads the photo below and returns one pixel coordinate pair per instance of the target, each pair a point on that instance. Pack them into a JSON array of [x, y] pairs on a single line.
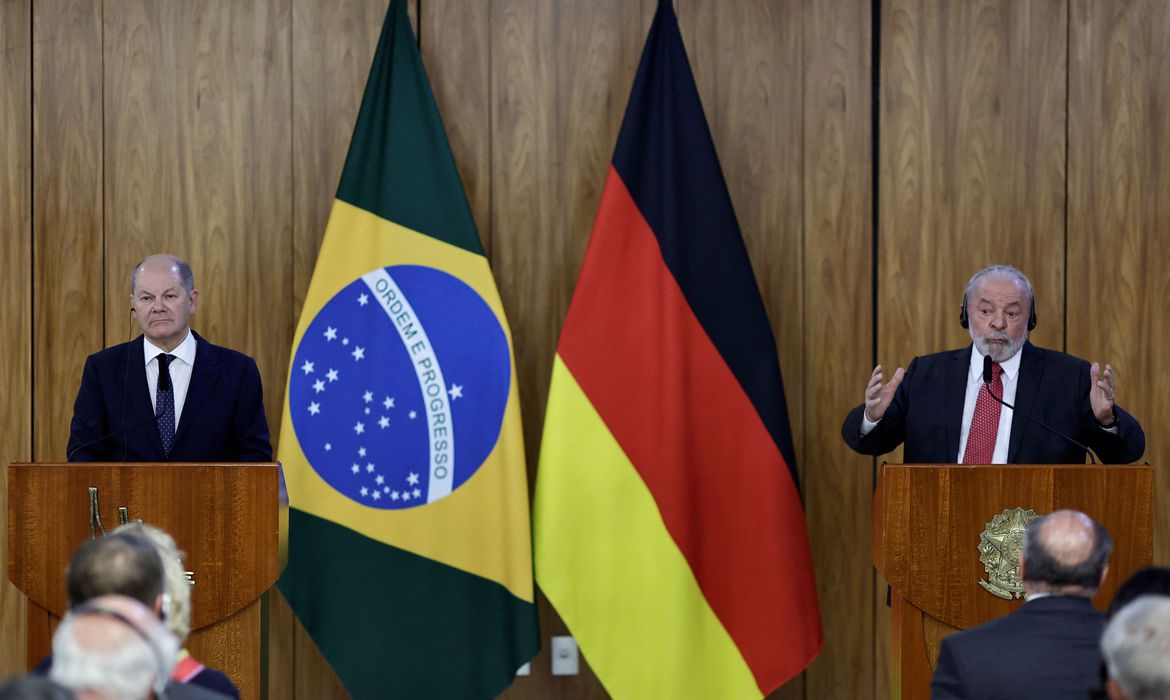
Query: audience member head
[[114, 648], [1136, 647], [1065, 553], [176, 610], [34, 687], [121, 564], [1152, 580]]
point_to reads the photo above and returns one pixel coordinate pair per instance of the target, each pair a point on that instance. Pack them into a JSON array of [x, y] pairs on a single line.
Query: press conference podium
[[927, 522], [224, 516]]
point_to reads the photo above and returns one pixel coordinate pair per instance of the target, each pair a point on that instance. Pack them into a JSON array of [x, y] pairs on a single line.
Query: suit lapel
[[956, 396], [139, 404], [1027, 391], [204, 376]]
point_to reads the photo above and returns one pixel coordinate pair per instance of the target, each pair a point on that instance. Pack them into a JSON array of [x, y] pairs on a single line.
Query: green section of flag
[[397, 604], [400, 165]]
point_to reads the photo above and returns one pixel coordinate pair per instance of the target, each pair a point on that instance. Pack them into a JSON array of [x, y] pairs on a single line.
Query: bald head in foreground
[[1048, 649]]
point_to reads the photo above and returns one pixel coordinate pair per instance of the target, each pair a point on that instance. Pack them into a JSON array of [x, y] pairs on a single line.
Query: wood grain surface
[[1025, 133], [15, 293]]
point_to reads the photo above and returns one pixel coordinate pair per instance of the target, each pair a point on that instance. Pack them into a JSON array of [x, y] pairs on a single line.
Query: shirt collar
[[1010, 366], [185, 351]]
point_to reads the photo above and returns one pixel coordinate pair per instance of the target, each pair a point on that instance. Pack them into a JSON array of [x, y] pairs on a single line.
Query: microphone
[[116, 433], [987, 385]]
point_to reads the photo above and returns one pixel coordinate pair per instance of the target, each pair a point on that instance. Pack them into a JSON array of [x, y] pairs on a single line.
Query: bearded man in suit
[[1059, 400]]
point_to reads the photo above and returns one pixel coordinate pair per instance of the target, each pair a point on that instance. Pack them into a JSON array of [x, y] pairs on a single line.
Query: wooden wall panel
[[218, 130], [972, 163], [836, 339], [560, 78], [67, 211], [455, 39], [15, 293], [198, 163], [1119, 214]]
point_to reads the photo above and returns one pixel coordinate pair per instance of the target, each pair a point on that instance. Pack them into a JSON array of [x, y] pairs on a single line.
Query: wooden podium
[[927, 526], [224, 516]]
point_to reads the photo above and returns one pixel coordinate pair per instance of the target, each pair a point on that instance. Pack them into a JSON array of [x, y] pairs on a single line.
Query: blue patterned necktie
[[165, 404]]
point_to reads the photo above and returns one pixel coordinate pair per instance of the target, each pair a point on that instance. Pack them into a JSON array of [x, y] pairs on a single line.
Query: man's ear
[[1114, 690], [157, 606], [1104, 575]]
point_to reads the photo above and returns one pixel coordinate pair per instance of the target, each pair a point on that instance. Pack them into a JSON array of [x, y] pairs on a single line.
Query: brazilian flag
[[409, 552]]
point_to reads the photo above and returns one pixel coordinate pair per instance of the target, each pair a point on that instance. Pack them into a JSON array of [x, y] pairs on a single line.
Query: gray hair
[[117, 666], [1136, 647], [186, 275], [1000, 270]]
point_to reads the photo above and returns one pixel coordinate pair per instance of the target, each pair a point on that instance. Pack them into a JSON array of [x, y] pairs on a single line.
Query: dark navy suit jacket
[[927, 413], [222, 421], [1048, 649]]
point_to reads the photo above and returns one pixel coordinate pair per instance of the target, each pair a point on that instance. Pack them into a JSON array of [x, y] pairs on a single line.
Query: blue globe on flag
[[399, 385]]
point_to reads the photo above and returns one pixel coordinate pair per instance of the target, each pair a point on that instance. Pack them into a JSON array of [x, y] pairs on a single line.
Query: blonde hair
[[175, 584]]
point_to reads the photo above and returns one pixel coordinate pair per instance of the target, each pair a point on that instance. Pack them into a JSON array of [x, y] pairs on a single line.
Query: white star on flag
[[369, 467], [384, 422], [359, 428], [358, 353], [416, 493], [363, 300], [307, 367], [331, 333], [314, 408], [355, 468], [361, 452], [412, 479], [331, 375], [380, 479], [456, 391], [368, 396], [388, 403], [318, 386]]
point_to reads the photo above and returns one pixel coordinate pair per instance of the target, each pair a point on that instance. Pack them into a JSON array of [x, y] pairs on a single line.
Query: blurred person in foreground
[[123, 565], [113, 648], [177, 590], [1136, 647], [1048, 648]]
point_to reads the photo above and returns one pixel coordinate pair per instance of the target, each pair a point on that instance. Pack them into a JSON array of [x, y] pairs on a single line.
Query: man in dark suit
[[168, 395], [1049, 647], [938, 408]]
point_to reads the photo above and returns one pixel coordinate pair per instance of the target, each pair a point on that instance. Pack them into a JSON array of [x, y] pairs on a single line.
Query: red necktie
[[985, 422]]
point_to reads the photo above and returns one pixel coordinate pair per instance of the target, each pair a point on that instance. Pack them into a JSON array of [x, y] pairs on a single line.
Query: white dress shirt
[[182, 363], [1010, 377]]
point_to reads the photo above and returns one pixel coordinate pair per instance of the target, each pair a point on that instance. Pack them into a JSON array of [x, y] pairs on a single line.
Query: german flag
[[670, 533], [409, 551]]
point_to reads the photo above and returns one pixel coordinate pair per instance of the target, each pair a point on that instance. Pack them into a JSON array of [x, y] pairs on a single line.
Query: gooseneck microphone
[[987, 385], [116, 433]]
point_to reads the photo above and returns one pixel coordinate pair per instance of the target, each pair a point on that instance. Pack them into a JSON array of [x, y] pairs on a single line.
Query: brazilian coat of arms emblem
[[999, 551]]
